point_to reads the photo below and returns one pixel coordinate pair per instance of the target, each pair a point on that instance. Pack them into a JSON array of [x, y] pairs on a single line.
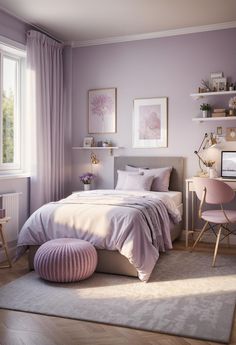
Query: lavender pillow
[[138, 182], [122, 175], [161, 179]]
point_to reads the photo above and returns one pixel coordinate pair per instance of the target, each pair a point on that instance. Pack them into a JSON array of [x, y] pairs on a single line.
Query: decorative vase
[[86, 186], [204, 113]]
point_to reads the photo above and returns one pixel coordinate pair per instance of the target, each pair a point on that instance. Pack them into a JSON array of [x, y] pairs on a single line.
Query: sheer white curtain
[[45, 115]]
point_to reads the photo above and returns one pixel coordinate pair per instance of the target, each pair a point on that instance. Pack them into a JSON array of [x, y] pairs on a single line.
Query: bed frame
[[112, 261]]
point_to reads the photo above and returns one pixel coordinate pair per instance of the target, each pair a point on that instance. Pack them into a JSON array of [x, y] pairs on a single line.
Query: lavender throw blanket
[[136, 224]]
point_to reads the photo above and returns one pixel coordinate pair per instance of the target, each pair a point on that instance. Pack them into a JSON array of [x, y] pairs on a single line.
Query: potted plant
[[87, 178], [205, 108]]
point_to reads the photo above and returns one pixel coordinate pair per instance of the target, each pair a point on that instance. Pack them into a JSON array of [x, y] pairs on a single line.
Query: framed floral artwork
[[150, 123], [102, 111]]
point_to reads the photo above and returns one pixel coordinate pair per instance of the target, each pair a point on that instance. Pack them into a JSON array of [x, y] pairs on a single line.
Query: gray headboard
[[176, 178]]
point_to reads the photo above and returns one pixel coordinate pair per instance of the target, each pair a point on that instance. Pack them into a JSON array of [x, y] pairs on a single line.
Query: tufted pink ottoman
[[65, 260]]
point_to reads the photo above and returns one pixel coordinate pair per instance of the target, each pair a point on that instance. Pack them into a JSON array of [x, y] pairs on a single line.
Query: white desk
[[190, 189]]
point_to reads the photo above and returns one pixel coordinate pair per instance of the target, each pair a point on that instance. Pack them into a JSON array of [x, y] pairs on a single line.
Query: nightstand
[[3, 243]]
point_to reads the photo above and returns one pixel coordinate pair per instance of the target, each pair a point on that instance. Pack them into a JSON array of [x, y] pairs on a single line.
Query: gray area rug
[[185, 296]]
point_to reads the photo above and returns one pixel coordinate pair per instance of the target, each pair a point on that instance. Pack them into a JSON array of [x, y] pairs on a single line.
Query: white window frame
[[17, 55]]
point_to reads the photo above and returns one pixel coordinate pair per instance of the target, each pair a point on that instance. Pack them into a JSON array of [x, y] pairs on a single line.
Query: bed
[[114, 261]]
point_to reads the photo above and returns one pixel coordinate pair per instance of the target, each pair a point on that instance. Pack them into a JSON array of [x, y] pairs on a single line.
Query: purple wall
[[172, 67], [12, 28]]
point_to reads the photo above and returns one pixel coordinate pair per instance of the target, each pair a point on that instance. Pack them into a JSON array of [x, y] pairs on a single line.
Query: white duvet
[[137, 224]]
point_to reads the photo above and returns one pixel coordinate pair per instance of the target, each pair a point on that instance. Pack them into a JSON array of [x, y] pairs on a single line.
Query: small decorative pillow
[[138, 182], [132, 168], [161, 179], [122, 175]]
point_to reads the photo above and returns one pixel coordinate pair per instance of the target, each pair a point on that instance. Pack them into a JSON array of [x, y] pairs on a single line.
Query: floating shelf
[[110, 148], [205, 119], [216, 93]]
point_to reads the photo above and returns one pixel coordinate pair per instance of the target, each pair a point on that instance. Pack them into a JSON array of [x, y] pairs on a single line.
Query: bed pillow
[[161, 179], [138, 182], [132, 168], [122, 175]]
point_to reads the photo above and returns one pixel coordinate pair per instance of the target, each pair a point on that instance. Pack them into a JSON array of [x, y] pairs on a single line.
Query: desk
[[190, 189]]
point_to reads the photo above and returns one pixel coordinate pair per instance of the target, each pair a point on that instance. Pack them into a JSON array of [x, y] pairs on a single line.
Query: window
[[11, 107]]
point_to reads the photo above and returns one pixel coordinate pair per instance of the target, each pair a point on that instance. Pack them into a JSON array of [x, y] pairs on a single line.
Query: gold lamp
[[93, 158], [209, 140]]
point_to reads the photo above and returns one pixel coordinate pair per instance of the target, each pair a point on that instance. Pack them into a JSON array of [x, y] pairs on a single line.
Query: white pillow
[[132, 168], [122, 175], [161, 179], [138, 182]]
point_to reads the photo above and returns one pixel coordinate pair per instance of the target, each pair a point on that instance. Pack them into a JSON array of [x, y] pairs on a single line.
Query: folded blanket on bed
[[138, 226]]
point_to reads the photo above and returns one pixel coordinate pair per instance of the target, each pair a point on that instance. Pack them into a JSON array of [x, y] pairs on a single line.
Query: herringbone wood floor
[[18, 328]]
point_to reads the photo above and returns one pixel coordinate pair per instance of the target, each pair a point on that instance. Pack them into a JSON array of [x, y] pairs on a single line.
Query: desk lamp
[[207, 142]]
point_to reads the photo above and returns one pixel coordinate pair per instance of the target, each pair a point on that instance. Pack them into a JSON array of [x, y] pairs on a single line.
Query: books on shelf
[[218, 112]]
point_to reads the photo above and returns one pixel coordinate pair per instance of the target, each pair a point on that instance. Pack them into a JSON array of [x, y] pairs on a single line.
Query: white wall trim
[[151, 35], [12, 43]]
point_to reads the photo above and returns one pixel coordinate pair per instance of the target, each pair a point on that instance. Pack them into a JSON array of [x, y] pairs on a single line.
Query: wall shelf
[[92, 148], [209, 119], [216, 93]]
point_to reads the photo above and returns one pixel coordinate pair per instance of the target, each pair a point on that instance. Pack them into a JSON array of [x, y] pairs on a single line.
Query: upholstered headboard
[[176, 178]]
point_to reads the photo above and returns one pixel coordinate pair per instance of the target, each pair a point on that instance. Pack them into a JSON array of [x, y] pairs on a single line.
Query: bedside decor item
[[150, 123], [205, 108], [232, 106], [87, 178], [102, 110], [88, 142], [208, 141]]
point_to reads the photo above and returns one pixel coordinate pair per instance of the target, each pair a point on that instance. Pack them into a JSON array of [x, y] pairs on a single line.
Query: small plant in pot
[[205, 108]]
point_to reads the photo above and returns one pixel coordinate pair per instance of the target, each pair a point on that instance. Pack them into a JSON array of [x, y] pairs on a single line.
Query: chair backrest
[[217, 192]]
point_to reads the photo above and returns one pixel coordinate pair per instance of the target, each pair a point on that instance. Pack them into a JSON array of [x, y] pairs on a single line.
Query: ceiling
[[81, 21]]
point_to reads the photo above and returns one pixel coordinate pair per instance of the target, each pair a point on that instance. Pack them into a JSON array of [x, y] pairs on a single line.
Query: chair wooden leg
[[199, 236], [216, 246]]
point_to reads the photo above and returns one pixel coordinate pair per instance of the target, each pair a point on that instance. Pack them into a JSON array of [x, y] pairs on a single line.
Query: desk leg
[[186, 214], [4, 246]]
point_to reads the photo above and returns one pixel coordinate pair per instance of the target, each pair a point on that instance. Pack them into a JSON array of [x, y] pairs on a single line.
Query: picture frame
[[150, 122], [102, 111], [230, 134], [219, 84], [88, 142]]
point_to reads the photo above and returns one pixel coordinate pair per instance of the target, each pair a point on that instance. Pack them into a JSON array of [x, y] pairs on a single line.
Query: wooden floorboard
[[18, 328]]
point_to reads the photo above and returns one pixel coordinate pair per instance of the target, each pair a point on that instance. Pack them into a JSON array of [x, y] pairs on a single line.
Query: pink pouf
[[65, 260]]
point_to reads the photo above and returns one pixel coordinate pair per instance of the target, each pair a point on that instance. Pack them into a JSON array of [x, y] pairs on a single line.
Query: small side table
[[3, 242]]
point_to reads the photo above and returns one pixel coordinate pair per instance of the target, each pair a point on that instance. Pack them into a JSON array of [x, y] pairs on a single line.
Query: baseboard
[[209, 237]]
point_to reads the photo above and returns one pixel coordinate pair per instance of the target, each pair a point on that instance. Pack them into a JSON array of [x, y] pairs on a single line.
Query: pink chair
[[215, 192]]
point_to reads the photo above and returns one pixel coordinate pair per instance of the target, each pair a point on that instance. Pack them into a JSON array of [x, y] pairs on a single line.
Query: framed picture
[[102, 111], [231, 134], [150, 122], [88, 142], [219, 84]]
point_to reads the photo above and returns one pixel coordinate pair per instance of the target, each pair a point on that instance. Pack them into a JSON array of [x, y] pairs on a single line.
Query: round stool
[[65, 260]]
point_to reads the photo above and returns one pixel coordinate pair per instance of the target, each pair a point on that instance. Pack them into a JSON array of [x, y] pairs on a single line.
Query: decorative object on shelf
[[150, 123], [102, 110], [88, 141], [218, 112], [232, 106], [231, 134], [87, 178], [209, 140], [106, 143], [205, 108], [206, 86], [93, 158]]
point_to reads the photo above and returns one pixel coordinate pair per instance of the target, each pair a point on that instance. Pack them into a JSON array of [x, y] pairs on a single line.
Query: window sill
[[9, 176]]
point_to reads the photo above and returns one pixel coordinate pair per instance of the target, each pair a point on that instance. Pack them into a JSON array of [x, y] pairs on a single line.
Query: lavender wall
[[172, 67], [12, 28]]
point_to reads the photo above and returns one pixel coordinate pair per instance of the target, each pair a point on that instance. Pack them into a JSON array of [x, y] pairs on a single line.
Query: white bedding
[[137, 224]]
